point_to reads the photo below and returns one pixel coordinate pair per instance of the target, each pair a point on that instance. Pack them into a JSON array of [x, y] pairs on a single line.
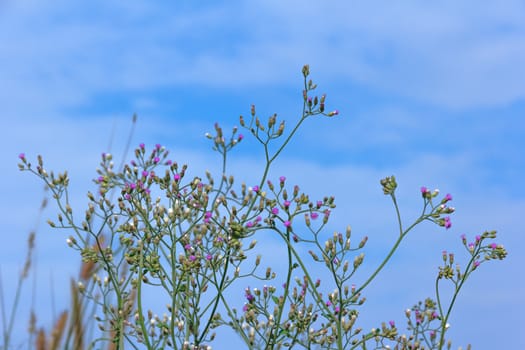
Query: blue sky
[[433, 93]]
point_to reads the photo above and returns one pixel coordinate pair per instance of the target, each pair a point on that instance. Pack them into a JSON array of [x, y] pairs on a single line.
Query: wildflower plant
[[193, 241]]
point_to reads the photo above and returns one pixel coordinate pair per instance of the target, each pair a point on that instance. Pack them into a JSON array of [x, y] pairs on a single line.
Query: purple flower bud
[[275, 211], [22, 156], [314, 215], [448, 223], [156, 160]]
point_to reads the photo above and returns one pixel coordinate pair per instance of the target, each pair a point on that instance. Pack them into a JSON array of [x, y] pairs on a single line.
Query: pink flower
[[287, 223], [286, 204], [22, 156], [282, 179], [241, 136], [392, 324], [493, 245], [447, 223], [142, 146], [314, 216], [255, 188], [275, 211], [208, 257], [156, 160], [176, 177]]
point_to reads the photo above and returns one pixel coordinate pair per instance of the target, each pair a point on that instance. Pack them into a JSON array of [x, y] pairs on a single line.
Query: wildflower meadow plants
[[151, 226]]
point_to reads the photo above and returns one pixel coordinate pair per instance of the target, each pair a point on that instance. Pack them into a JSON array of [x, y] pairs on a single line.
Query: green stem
[[444, 321]]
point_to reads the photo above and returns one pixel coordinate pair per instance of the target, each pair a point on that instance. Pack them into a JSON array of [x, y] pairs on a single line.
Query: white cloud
[[451, 54]]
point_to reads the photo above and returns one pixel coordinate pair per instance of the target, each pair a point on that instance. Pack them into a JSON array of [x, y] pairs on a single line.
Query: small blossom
[[314, 216], [249, 295], [249, 224], [447, 223], [158, 146], [145, 173], [286, 204], [142, 146], [319, 204], [424, 190], [328, 303], [275, 211], [255, 188], [193, 258], [282, 179], [392, 323], [240, 137], [156, 160], [478, 238], [287, 223], [22, 156], [188, 247], [208, 257], [476, 263], [132, 186], [176, 177], [493, 245]]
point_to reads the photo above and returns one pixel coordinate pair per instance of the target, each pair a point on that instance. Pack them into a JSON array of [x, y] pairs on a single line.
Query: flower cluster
[[194, 238]]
